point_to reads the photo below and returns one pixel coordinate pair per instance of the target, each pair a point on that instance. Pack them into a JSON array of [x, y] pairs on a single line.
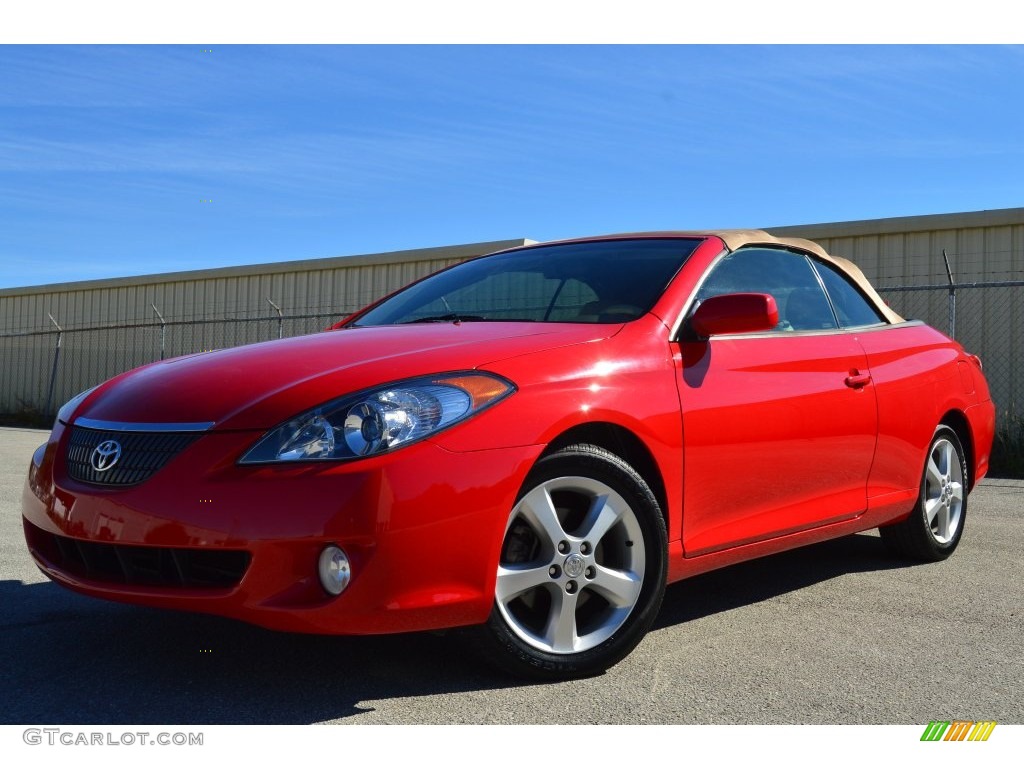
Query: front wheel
[[582, 567], [934, 528]]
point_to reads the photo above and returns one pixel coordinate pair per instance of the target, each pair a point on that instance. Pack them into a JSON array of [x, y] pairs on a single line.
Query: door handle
[[857, 380]]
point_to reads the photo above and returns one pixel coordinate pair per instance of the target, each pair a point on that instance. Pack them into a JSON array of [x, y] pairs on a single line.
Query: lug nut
[[585, 548], [570, 587], [590, 572], [554, 571], [563, 547]]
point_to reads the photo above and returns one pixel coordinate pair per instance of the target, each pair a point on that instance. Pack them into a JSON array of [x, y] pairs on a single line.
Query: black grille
[[144, 566], [142, 454]]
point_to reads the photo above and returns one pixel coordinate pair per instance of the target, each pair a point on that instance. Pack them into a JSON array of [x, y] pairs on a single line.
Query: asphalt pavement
[[839, 632]]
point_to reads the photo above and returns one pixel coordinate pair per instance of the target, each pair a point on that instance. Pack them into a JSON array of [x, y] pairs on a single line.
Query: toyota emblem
[[105, 455]]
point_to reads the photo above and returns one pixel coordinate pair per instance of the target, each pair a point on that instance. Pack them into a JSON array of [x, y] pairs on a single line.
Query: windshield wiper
[[451, 317], [455, 317], [511, 320]]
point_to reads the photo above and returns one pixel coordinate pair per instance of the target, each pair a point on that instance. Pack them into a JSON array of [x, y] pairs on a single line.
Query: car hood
[[259, 385]]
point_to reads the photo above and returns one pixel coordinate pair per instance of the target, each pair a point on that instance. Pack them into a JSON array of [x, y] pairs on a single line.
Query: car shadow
[[73, 659], [768, 577]]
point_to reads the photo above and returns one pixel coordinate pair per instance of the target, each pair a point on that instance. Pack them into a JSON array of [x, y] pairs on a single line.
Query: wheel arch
[[957, 421], [624, 444]]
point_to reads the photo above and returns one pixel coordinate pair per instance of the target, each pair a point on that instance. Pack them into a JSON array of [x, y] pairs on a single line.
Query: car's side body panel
[[774, 410], [920, 375]]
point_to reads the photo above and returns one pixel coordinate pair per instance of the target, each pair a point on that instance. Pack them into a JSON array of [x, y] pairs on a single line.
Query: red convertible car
[[532, 442]]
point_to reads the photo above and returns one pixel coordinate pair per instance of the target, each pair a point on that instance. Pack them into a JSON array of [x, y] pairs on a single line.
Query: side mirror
[[735, 313]]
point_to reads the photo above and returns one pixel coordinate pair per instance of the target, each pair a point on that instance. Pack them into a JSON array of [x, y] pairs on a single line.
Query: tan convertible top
[[737, 238]]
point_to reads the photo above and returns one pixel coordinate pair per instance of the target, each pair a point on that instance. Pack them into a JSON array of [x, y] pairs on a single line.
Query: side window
[[787, 276], [851, 306]]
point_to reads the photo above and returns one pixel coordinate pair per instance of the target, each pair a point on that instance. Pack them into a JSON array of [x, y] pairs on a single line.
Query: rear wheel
[[581, 572], [934, 528]]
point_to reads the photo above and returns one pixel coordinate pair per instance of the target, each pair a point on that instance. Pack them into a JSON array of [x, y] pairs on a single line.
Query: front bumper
[[422, 527]]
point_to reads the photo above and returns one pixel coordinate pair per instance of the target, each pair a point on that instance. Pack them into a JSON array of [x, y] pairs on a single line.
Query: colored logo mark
[[958, 730]]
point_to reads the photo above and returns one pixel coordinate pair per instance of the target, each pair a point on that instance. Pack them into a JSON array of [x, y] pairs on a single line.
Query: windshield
[[611, 281]]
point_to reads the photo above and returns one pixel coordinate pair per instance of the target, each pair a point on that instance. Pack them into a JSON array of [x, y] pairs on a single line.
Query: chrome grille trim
[[132, 426]]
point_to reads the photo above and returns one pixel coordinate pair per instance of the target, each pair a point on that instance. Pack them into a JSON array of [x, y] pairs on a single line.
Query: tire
[[933, 530], [582, 568]]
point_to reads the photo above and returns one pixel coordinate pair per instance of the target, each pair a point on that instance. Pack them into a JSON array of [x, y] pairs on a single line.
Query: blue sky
[[107, 152]]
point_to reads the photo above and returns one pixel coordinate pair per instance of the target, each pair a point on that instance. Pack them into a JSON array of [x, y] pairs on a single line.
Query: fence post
[[53, 371], [952, 296], [163, 331], [280, 319]]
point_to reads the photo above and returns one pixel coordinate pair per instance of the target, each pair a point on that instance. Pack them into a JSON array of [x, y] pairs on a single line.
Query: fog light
[[335, 571]]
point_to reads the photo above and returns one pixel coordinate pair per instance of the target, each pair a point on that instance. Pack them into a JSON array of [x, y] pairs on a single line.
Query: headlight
[[379, 420], [68, 409]]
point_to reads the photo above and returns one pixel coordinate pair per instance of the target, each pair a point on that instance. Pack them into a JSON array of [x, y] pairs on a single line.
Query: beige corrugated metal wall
[[982, 245], [329, 286], [320, 290], [897, 252]]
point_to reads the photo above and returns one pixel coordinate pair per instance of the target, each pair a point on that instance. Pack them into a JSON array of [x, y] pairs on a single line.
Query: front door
[[779, 428]]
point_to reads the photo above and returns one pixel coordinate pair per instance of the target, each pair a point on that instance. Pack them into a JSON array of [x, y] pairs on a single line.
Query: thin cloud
[[105, 152]]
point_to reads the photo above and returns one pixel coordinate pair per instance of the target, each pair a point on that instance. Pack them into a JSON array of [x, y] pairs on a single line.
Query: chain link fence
[[42, 369]]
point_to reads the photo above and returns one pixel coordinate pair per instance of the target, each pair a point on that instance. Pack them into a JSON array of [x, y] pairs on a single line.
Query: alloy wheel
[[572, 565]]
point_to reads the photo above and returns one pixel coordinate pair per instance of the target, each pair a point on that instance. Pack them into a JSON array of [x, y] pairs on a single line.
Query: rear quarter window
[[852, 308]]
